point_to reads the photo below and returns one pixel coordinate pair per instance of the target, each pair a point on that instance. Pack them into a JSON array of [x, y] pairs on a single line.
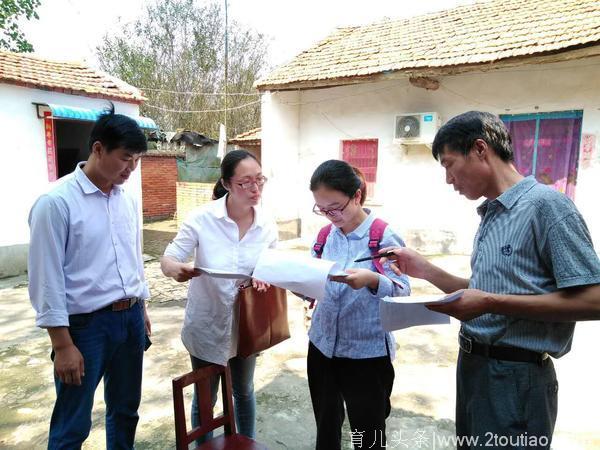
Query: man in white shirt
[[87, 286]]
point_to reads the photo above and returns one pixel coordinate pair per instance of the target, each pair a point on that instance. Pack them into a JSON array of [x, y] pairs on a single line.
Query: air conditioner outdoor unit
[[418, 128]]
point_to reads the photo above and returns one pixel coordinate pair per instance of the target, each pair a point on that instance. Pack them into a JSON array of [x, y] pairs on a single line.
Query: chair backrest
[[201, 378]]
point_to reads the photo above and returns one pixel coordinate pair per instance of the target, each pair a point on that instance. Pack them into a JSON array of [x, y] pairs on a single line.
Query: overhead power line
[[215, 94], [160, 108]]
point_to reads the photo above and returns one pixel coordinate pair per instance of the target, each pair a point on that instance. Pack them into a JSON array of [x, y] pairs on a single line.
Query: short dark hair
[[230, 162], [339, 176], [116, 130], [460, 132]]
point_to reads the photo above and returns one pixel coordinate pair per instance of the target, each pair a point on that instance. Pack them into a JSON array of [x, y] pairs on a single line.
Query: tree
[[10, 12], [174, 51]]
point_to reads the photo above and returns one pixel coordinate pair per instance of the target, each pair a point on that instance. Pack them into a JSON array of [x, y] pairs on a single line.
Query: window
[[547, 146], [362, 153]]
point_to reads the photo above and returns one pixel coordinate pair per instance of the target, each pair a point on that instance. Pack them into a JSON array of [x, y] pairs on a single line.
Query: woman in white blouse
[[226, 234]]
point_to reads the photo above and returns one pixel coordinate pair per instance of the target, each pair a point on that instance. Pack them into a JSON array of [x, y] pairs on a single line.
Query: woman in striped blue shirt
[[350, 355]]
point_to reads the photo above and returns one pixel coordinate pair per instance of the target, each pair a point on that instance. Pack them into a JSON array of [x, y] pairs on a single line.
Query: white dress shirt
[[85, 250], [210, 328]]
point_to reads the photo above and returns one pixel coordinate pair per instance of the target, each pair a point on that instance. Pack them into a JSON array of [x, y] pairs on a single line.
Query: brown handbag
[[263, 319]]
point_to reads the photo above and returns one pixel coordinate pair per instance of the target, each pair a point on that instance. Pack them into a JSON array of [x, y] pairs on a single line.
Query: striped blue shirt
[[531, 240], [346, 322]]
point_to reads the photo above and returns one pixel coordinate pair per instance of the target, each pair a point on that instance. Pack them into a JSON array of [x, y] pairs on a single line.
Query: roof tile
[[247, 136], [68, 77], [470, 34]]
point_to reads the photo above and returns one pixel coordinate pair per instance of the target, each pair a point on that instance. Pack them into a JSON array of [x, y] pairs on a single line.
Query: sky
[[70, 30]]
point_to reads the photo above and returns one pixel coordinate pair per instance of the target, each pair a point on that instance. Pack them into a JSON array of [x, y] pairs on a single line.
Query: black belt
[[121, 305], [468, 345]]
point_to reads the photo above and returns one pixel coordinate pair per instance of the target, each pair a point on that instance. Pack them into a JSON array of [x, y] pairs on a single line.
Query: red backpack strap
[[321, 240], [318, 249], [376, 231]]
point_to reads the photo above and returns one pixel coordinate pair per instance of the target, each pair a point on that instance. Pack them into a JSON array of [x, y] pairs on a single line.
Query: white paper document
[[298, 273], [398, 313], [432, 299], [216, 273]]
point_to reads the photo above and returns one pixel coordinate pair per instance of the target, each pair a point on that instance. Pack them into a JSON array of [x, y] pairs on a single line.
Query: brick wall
[[159, 179], [190, 196]]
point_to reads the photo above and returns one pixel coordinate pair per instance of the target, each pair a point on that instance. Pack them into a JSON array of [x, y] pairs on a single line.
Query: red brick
[[159, 178]]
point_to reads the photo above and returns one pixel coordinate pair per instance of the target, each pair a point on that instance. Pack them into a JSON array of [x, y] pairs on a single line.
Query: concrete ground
[[422, 399]]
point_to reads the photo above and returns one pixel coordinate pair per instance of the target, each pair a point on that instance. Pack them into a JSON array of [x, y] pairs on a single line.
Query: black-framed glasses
[[259, 181], [333, 212]]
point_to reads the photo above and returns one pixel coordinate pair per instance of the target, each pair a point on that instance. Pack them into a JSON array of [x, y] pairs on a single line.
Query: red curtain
[[550, 146]]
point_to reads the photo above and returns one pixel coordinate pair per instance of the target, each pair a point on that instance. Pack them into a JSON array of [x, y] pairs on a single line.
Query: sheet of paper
[[431, 299], [398, 313], [216, 273], [298, 273]]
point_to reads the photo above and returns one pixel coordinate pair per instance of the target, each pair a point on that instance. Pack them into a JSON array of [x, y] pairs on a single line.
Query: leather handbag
[[263, 319]]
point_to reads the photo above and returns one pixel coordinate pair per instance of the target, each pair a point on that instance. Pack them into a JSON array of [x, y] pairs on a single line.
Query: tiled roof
[[466, 35], [248, 136], [68, 77]]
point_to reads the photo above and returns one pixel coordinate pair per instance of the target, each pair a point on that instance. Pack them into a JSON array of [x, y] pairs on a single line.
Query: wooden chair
[[228, 441]]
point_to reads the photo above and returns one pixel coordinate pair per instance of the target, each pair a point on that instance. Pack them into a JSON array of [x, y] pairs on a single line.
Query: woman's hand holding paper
[[260, 286], [358, 279]]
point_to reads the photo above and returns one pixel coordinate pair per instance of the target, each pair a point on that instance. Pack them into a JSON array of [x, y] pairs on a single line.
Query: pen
[[380, 255]]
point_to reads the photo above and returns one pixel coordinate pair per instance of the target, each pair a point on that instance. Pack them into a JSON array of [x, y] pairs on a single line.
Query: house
[[249, 140], [374, 95], [47, 109]]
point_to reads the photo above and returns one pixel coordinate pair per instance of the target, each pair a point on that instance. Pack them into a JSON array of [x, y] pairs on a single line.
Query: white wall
[[280, 135], [411, 187], [23, 172]]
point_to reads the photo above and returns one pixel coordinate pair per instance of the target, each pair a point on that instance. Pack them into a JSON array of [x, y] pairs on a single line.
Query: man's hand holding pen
[[405, 261]]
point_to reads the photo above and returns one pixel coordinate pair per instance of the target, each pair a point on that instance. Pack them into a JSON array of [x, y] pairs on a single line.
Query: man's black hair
[[116, 130], [460, 132]]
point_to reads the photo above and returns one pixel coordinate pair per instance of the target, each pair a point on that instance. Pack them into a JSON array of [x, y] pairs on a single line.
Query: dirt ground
[[422, 399]]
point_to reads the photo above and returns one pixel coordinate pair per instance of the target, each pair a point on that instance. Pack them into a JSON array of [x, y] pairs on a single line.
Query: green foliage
[[178, 45], [11, 37]]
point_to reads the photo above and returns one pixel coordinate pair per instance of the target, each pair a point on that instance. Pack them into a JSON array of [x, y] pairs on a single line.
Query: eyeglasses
[[333, 212], [259, 181]]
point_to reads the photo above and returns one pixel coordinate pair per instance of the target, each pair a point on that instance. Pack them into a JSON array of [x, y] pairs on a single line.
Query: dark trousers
[[112, 346], [504, 404], [364, 385]]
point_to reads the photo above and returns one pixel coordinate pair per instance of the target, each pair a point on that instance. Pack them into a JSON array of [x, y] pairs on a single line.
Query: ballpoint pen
[[380, 255]]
